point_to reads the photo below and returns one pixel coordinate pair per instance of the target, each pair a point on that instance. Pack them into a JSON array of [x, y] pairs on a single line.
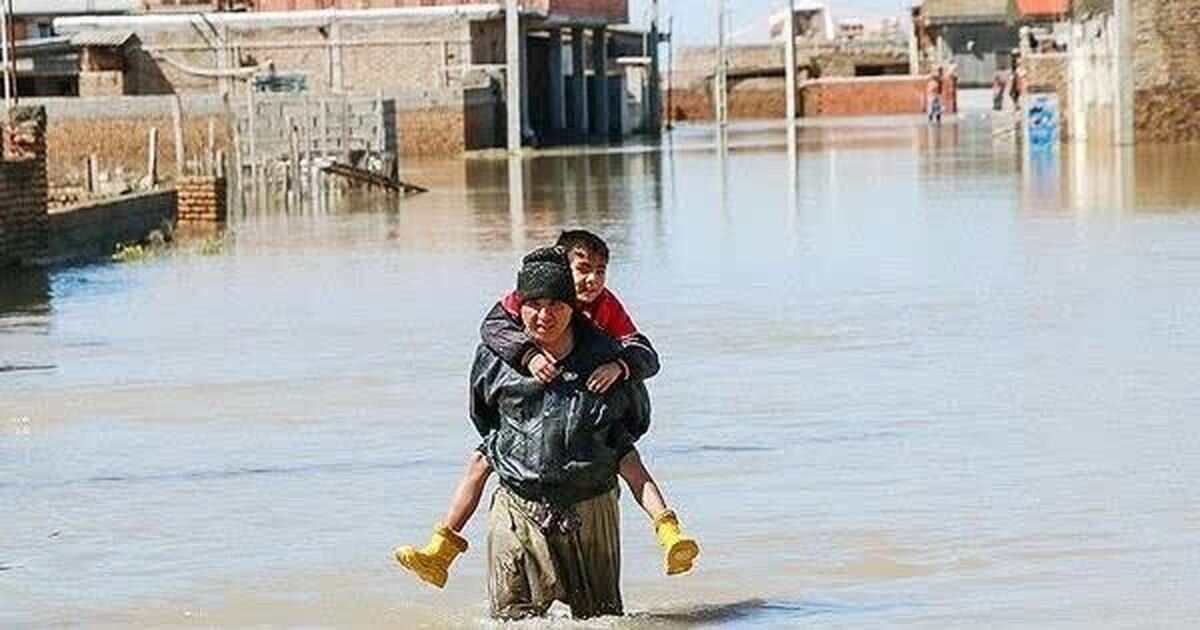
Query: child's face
[[590, 272]]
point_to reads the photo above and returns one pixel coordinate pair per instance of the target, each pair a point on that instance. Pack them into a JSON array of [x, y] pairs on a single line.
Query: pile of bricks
[[202, 200], [23, 189]]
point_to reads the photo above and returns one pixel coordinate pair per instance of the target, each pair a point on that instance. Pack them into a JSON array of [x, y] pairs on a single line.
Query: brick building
[[442, 62], [48, 64]]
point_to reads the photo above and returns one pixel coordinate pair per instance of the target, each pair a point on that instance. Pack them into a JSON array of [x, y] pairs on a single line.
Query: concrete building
[[976, 36], [48, 64], [443, 63], [1163, 74], [34, 19]]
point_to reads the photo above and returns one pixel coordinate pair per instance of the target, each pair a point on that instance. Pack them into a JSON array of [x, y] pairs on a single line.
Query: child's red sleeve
[[613, 319], [512, 303]]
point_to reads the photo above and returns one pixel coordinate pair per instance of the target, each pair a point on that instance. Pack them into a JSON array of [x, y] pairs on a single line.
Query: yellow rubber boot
[[432, 563], [681, 551]]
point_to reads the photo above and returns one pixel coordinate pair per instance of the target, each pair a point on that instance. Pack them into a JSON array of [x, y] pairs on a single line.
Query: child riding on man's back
[[637, 360]]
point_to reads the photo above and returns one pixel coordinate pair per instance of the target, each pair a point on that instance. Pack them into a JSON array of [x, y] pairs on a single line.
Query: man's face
[[590, 272], [545, 320]]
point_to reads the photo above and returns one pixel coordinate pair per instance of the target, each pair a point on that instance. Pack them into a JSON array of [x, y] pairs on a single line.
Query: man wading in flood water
[[553, 529]]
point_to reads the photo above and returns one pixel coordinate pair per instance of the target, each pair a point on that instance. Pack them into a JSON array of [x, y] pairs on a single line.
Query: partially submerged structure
[[978, 37], [583, 76]]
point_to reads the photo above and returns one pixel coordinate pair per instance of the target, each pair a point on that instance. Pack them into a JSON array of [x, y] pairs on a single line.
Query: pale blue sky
[[695, 20]]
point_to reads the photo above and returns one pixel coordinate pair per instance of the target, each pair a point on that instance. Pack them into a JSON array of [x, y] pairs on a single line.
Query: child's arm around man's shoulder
[[503, 333], [638, 355]]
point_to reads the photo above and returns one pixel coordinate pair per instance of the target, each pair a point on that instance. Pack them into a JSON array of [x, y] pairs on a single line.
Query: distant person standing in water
[[1014, 82], [999, 83], [934, 102]]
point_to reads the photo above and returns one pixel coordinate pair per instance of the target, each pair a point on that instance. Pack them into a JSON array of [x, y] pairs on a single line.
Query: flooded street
[[934, 386]]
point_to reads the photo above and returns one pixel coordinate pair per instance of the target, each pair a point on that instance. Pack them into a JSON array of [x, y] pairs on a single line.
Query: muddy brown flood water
[[936, 386]]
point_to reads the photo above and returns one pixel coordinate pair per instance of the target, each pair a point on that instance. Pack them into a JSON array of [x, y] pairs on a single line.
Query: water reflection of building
[[24, 292], [559, 191]]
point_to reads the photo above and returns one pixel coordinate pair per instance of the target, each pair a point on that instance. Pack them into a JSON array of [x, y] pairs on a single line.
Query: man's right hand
[[542, 368]]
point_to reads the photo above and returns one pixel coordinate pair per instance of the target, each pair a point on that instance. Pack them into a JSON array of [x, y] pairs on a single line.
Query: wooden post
[[93, 174], [177, 120], [152, 158], [346, 129], [307, 150], [210, 153], [293, 179], [324, 128], [380, 138], [251, 145]]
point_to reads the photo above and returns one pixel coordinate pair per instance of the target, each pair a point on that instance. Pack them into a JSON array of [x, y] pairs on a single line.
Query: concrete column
[[557, 98], [526, 121], [1123, 108], [512, 87], [654, 81], [580, 79], [600, 65]]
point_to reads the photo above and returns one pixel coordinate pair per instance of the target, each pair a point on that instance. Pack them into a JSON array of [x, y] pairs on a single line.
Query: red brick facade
[[203, 200], [872, 96]]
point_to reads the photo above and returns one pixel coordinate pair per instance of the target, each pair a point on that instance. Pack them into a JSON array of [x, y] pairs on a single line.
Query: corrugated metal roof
[[965, 10], [113, 39], [75, 7]]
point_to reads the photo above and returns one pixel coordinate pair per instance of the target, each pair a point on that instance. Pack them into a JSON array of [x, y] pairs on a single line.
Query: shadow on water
[[210, 475], [755, 611]]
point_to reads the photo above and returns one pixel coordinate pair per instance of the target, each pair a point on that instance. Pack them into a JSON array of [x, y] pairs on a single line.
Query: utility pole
[[655, 96], [789, 59], [512, 77], [720, 81], [6, 38], [670, 71]]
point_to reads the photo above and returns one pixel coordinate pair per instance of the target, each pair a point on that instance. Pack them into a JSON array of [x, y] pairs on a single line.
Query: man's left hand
[[604, 377]]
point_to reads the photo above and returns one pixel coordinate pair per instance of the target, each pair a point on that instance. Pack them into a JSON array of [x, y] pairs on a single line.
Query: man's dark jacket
[[557, 442], [506, 336]]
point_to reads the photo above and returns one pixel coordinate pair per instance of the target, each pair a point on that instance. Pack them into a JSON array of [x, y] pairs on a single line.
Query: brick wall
[[409, 55], [1167, 71], [122, 145], [23, 188], [871, 96], [766, 99], [101, 83], [93, 230], [202, 201]]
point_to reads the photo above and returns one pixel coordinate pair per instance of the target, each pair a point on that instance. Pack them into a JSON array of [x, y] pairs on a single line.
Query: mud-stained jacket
[[558, 442]]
